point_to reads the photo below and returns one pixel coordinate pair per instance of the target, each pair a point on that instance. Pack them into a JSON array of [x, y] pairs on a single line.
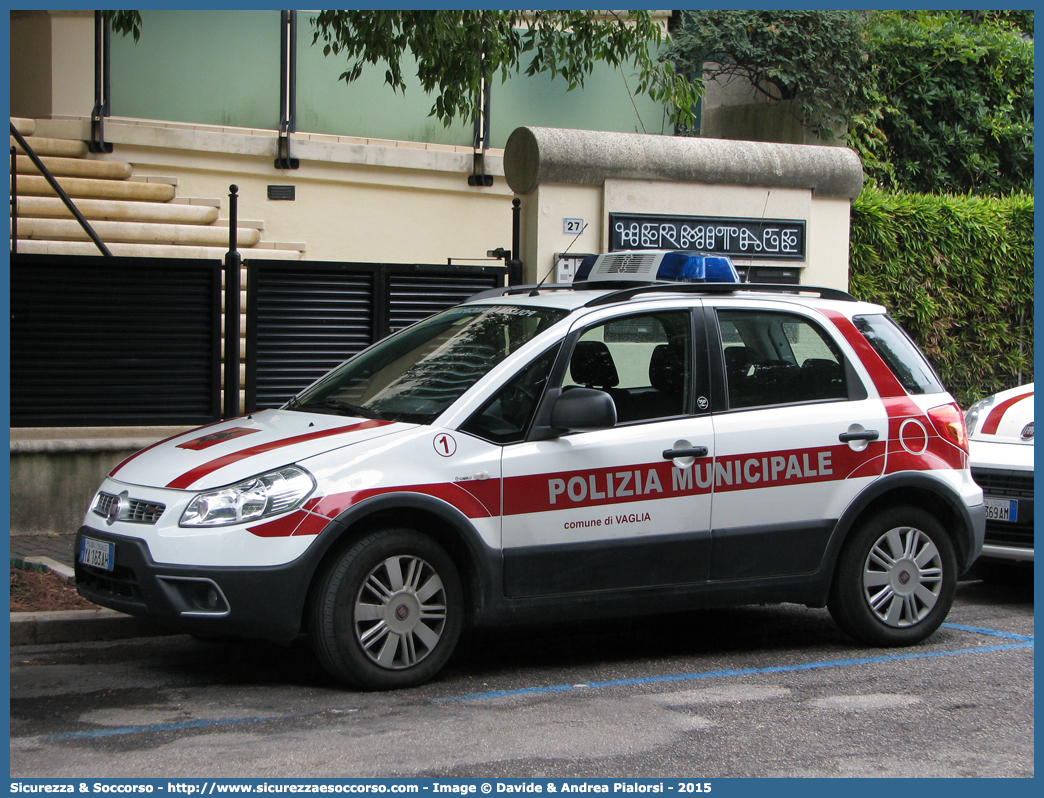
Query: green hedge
[[957, 273]]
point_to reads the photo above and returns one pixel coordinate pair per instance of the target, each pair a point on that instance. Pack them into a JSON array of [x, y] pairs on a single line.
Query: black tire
[[895, 579], [387, 612]]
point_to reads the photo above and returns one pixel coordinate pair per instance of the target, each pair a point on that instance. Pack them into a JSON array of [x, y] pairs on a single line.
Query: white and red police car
[[1000, 432], [655, 437]]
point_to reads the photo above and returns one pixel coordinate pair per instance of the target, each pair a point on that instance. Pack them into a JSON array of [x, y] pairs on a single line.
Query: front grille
[[120, 583], [1001, 534], [134, 511], [1004, 482]]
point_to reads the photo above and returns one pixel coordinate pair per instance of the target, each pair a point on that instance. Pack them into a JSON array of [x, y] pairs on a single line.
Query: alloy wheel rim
[[902, 577], [400, 612]]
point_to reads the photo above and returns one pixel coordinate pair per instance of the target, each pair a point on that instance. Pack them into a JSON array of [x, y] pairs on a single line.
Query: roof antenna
[[750, 263], [536, 291]]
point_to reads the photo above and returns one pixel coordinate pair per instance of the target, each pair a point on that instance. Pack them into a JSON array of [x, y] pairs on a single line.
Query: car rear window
[[901, 354]]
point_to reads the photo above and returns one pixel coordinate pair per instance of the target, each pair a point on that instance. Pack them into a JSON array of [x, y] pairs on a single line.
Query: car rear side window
[[901, 354]]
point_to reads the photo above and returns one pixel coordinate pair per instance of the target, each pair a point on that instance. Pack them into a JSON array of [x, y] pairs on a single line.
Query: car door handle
[[695, 451], [865, 435]]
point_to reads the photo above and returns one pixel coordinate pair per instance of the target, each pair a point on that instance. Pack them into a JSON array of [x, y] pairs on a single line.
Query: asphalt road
[[751, 692]]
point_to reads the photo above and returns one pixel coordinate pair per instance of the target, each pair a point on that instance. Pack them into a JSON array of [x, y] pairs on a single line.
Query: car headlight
[[975, 412], [268, 494]]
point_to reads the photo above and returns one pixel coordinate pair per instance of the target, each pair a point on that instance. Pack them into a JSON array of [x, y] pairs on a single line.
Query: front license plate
[[97, 553], [1002, 510]]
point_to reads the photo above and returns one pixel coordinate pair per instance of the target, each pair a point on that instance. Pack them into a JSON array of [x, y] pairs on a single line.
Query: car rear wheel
[[387, 613], [895, 579]]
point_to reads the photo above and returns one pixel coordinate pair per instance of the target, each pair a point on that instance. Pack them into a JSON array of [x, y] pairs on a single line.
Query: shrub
[[957, 273], [955, 110]]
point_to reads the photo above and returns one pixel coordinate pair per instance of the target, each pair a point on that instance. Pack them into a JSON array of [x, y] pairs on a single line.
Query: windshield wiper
[[335, 406]]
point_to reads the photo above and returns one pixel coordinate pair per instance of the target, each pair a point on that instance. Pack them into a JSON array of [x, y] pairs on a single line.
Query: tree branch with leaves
[[456, 50], [816, 60]]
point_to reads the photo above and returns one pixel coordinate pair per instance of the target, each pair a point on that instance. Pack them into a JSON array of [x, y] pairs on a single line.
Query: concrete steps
[[136, 233], [133, 215], [75, 167], [26, 127], [84, 187], [60, 148], [52, 247], [126, 210]]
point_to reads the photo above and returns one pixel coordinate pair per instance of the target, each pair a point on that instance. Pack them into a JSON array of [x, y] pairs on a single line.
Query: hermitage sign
[[778, 239]]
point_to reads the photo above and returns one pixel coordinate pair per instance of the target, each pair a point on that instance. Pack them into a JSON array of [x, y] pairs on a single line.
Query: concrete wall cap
[[536, 155], [76, 445]]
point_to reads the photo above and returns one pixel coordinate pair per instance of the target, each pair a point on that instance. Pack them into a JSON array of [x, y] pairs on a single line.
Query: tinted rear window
[[901, 354]]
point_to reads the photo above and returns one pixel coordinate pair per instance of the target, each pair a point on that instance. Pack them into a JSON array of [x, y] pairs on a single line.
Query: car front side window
[[644, 362]]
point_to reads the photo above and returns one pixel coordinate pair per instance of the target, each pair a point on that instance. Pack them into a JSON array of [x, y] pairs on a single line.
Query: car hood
[[1008, 419], [230, 451]]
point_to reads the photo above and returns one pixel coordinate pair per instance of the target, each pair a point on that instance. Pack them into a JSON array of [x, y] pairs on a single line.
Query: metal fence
[[305, 318], [114, 341], [137, 341]]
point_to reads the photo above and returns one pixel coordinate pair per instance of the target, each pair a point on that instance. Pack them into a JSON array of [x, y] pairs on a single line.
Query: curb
[[64, 571], [77, 626]]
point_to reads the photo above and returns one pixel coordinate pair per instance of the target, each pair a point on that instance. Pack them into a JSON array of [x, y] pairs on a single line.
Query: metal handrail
[[14, 201], [57, 190]]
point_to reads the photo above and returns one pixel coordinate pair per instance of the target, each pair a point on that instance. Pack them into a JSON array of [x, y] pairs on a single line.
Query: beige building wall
[[52, 63], [543, 234], [355, 199], [563, 174]]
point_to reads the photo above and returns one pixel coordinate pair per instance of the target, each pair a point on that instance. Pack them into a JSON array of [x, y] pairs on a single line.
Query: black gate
[[304, 318], [114, 341], [137, 341]]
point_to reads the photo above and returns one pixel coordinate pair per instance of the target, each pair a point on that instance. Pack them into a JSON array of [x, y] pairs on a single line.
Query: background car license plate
[[1002, 509], [97, 553]]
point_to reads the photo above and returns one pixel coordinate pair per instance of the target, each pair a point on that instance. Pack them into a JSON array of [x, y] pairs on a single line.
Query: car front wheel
[[387, 613], [895, 579]]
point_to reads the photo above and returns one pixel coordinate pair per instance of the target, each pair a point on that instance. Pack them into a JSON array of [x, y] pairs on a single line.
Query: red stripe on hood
[[159, 443], [993, 420], [199, 472]]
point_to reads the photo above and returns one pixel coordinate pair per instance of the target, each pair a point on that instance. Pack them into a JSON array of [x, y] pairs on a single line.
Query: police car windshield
[[415, 375]]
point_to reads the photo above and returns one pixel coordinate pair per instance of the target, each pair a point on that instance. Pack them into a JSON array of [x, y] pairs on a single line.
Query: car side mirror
[[583, 410]]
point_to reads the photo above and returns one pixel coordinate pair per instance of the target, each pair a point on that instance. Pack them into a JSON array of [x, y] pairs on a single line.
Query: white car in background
[[1000, 428]]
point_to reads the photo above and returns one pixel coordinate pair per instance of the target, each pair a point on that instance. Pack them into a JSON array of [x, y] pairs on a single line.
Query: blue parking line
[[93, 734], [1018, 641], [992, 632]]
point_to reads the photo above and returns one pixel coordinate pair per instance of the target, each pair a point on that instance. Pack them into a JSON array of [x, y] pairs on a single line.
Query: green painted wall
[[368, 107], [604, 103], [206, 67], [222, 68]]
